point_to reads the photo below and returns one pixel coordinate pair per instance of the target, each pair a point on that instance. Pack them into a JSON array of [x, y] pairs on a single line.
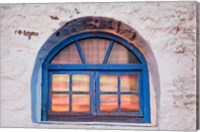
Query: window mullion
[[97, 92], [108, 52], [80, 52], [93, 93]]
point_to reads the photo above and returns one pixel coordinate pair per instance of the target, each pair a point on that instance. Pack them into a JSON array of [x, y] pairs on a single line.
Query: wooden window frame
[[94, 69]]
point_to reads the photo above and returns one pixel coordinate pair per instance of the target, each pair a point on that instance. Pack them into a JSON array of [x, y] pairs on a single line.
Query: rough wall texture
[[168, 27]]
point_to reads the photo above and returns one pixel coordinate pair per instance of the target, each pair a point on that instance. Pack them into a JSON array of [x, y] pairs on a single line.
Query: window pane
[[129, 83], [68, 55], [94, 50], [129, 103], [121, 55], [80, 82], [109, 103], [60, 82], [80, 103], [60, 102], [108, 83]]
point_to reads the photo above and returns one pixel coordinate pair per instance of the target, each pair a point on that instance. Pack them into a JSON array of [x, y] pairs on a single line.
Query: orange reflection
[[94, 50], [68, 55], [108, 83], [80, 103], [129, 83], [108, 103], [129, 103], [121, 55], [60, 82], [60, 103], [80, 82]]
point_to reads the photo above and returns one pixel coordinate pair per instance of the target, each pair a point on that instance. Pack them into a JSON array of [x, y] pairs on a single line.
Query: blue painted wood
[[68, 72], [141, 108], [98, 67], [70, 92], [92, 90], [44, 93], [94, 70], [136, 114], [116, 72], [49, 86], [97, 92], [146, 94], [80, 52], [108, 52]]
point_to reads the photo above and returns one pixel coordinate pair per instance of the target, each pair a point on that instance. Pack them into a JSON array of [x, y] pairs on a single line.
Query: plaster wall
[[168, 27]]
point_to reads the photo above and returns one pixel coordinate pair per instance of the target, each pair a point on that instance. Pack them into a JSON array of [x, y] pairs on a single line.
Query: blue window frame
[[94, 94]]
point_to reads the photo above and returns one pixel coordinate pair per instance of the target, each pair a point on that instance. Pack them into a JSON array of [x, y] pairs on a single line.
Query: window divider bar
[[80, 52], [129, 92], [119, 98], [59, 92], [108, 52], [68, 92], [120, 92], [108, 92]]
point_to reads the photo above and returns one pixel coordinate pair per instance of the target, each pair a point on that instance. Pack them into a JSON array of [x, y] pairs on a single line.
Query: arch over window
[[95, 77], [81, 60]]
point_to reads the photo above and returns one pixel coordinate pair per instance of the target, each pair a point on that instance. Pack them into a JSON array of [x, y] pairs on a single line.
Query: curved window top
[[95, 75], [98, 48]]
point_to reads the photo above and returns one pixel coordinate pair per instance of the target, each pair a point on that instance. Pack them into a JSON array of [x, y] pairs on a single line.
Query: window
[[95, 77]]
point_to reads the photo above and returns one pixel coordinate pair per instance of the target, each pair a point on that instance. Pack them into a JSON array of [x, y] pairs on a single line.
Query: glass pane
[[60, 102], [121, 55], [94, 50], [80, 82], [68, 55], [108, 83], [109, 103], [129, 83], [129, 103], [80, 103], [60, 82]]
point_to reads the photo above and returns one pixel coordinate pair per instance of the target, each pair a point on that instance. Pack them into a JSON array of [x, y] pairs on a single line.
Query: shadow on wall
[[92, 24]]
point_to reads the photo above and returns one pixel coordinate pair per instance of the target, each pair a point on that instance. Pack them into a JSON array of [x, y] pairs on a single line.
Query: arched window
[[95, 77]]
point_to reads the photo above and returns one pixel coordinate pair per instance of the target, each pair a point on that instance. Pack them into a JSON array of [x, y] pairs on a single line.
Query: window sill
[[100, 125]]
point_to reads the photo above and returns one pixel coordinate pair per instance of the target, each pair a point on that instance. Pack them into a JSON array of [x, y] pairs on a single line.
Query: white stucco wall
[[168, 27]]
